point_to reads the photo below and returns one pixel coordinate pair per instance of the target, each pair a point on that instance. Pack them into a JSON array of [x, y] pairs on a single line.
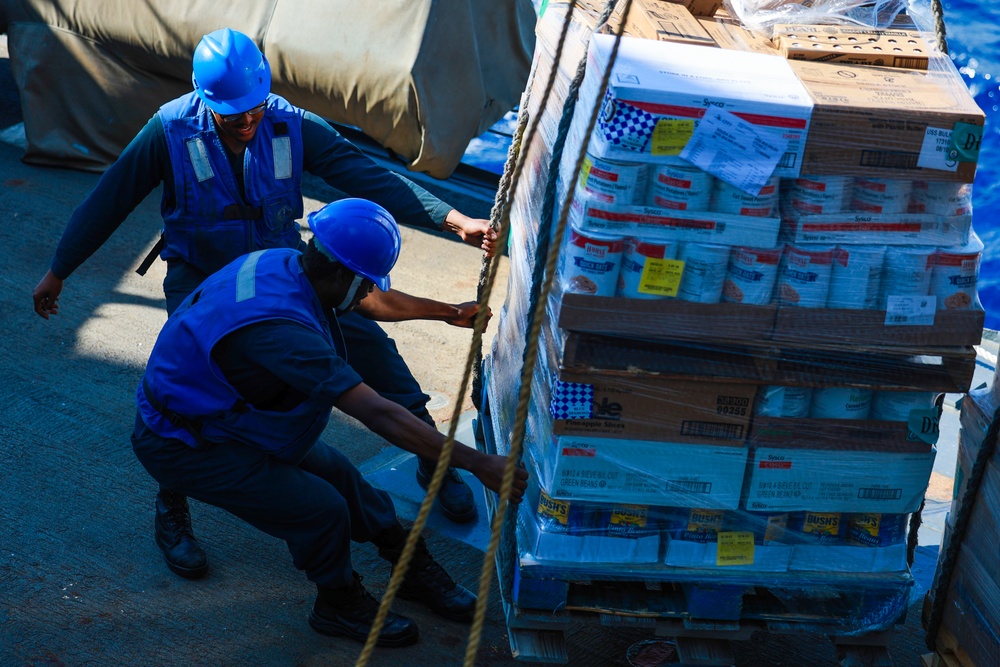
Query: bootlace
[[178, 514], [359, 599]]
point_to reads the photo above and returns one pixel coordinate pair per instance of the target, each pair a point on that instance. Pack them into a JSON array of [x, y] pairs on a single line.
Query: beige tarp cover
[[422, 77]]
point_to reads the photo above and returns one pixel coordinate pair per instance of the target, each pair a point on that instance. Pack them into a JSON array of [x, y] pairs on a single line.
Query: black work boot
[[454, 497], [175, 538], [350, 612], [426, 581]]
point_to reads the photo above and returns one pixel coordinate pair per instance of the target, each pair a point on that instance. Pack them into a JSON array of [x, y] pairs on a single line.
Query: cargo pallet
[[542, 600], [949, 653]]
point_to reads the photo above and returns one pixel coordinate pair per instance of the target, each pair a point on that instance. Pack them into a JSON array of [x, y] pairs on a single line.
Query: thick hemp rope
[[533, 334], [399, 571]]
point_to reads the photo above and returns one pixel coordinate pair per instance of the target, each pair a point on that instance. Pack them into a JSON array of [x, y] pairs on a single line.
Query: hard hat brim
[[242, 104]]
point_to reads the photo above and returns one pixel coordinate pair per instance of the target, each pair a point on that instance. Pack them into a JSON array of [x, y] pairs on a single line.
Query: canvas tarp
[[421, 77]]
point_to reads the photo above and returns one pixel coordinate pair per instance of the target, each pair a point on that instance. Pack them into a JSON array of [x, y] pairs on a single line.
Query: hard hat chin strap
[[352, 292]]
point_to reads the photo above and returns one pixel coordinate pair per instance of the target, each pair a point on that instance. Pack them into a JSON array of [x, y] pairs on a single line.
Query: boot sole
[[187, 572], [333, 630]]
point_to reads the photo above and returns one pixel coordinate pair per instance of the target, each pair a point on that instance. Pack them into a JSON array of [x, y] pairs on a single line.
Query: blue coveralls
[[237, 390], [149, 160]]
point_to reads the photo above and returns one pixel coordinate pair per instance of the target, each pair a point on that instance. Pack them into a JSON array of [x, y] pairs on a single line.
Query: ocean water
[[973, 33]]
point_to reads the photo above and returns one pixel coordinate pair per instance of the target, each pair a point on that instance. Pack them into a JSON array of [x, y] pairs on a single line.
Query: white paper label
[[934, 151], [734, 150], [910, 310]]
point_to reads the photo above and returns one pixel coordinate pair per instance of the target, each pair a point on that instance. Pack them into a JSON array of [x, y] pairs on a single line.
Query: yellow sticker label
[[661, 276], [671, 136], [585, 171], [734, 549]]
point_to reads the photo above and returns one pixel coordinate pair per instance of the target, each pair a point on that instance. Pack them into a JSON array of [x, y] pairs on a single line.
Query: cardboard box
[[664, 319], [889, 122], [822, 558], [642, 407], [812, 326], [696, 7], [666, 22], [681, 553], [729, 34], [670, 86], [972, 610], [839, 435], [537, 544], [822, 480], [854, 45], [640, 472]]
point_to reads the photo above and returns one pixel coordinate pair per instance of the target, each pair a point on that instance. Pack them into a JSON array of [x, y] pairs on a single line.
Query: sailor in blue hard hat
[[231, 156], [239, 387]]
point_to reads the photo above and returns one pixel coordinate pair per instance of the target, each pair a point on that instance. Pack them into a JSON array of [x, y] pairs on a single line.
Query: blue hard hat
[[229, 72], [359, 234]]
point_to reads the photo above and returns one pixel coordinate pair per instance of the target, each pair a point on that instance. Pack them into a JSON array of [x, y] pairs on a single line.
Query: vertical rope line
[[939, 29], [399, 571], [531, 355]]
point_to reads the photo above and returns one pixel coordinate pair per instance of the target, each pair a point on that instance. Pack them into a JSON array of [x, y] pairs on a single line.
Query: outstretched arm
[[402, 429], [396, 306], [474, 231]]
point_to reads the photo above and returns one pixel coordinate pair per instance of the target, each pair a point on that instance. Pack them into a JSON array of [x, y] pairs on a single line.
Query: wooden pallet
[[949, 652], [943, 369]]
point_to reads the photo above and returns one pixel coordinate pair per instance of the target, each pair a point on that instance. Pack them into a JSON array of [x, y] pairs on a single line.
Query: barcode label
[[880, 494], [889, 159], [787, 161], [712, 430], [689, 486]]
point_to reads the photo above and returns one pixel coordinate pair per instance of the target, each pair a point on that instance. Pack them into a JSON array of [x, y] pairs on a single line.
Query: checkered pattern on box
[[623, 124], [571, 400]]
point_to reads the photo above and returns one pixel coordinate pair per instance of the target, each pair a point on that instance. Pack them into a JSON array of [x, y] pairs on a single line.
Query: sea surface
[[973, 35]]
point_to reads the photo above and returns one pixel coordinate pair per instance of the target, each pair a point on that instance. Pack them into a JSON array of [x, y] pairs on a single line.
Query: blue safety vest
[[184, 394], [206, 222]]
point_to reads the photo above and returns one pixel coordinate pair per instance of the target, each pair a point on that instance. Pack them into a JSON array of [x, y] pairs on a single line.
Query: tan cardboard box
[[647, 408], [890, 122], [894, 47], [665, 22], [696, 7], [729, 34]]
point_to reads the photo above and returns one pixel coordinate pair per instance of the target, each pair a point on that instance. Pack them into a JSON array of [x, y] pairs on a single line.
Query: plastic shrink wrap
[[757, 302]]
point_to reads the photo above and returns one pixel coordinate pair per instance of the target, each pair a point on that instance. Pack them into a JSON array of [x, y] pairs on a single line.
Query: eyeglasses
[[233, 117]]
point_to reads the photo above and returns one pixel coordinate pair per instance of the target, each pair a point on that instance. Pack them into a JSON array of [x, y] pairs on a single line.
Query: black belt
[[151, 257]]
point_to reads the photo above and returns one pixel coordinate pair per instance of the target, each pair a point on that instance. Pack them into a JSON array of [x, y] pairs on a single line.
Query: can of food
[[783, 401], [751, 275], [816, 527], [590, 263], [906, 272], [704, 274], [637, 253], [804, 276], [841, 403], [856, 277], [876, 530], [629, 521], [941, 198], [562, 516], [613, 182], [895, 406], [730, 199], [680, 187], [816, 195], [955, 275], [698, 525], [881, 196]]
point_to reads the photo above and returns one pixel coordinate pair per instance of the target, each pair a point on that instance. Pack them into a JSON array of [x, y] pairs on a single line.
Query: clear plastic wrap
[[764, 14], [718, 394]]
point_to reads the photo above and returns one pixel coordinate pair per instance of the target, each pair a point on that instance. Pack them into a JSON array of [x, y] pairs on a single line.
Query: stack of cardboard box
[[683, 400]]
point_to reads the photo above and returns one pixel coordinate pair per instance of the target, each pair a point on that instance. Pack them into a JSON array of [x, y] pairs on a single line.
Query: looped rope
[[947, 563]]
